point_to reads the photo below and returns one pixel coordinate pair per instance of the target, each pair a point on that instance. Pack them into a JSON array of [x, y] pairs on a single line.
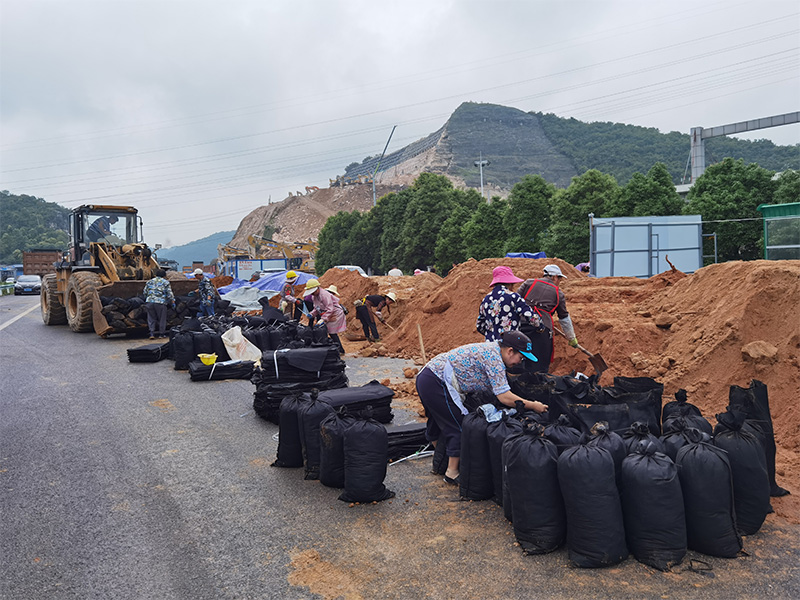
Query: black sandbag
[[749, 468], [690, 413], [496, 434], [203, 343], [530, 465], [595, 529], [754, 403], [678, 434], [640, 432], [331, 458], [652, 507], [231, 369], [311, 414], [638, 384], [602, 437], [406, 440], [183, 349], [365, 461], [305, 334], [319, 335], [475, 469], [219, 347], [618, 409], [149, 353], [373, 395], [707, 485], [290, 448], [440, 460], [562, 433]]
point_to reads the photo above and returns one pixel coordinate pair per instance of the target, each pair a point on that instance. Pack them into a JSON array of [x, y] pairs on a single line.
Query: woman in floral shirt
[[502, 310], [447, 377]]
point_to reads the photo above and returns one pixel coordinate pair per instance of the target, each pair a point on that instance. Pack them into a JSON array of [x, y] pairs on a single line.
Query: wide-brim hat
[[392, 296], [519, 342], [554, 271], [504, 275], [333, 290]]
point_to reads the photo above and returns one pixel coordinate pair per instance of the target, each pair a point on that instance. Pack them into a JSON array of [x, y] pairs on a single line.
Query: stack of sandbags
[[148, 353], [229, 369], [356, 400]]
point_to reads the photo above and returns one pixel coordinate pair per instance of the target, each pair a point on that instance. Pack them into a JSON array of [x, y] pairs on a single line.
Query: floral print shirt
[[206, 290], [159, 291], [502, 310], [476, 367]]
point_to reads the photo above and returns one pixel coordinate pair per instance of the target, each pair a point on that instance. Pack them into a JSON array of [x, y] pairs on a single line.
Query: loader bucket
[[127, 289]]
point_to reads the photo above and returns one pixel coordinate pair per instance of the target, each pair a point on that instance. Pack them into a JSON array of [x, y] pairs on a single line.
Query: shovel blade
[[598, 363]]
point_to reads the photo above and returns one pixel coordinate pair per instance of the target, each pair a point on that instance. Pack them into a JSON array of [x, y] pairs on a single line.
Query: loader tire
[[79, 300], [53, 312]]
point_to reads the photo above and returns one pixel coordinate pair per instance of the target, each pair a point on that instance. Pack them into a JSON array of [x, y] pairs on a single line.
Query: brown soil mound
[[221, 281], [724, 325]]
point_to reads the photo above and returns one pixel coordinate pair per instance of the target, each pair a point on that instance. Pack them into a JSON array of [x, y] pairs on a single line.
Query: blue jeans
[[206, 310]]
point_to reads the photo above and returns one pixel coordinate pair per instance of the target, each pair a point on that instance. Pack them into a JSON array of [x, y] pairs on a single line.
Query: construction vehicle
[[106, 257], [299, 255]]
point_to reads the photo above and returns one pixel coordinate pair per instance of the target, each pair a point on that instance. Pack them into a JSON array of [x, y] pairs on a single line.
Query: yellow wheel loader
[[106, 257]]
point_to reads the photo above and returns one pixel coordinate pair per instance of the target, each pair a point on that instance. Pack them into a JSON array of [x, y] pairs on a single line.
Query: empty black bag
[[595, 529], [707, 486], [496, 434], [652, 507], [749, 469], [366, 447], [290, 448], [754, 403], [311, 414], [562, 434], [331, 458], [530, 465], [475, 470], [639, 432]]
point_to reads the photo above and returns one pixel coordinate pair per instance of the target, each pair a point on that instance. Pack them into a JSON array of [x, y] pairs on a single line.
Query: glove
[[380, 317], [574, 342]]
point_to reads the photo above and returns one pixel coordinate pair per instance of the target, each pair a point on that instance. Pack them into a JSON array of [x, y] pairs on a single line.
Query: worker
[[207, 293], [442, 383], [371, 306], [157, 296], [328, 310], [289, 304], [547, 299], [503, 310], [395, 272], [101, 227]]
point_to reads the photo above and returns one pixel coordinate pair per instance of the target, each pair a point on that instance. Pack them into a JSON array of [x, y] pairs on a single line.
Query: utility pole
[[481, 163], [374, 200]]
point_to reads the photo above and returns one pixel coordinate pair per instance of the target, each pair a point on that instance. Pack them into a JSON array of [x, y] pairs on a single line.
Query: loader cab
[[113, 225]]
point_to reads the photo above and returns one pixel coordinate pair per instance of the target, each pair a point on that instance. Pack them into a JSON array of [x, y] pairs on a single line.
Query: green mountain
[[27, 222], [204, 249]]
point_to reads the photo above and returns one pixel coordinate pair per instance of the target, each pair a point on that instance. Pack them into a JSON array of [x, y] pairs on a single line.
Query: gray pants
[[156, 318]]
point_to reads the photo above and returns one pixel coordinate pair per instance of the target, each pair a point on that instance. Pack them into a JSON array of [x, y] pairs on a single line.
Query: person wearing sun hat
[[547, 299], [328, 310], [289, 303], [373, 304], [443, 382], [503, 310]]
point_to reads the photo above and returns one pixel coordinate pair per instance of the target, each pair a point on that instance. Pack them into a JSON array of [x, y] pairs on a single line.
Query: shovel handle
[[581, 348]]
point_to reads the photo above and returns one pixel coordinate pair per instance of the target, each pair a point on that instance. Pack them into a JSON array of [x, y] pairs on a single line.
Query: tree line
[[29, 222], [434, 224]]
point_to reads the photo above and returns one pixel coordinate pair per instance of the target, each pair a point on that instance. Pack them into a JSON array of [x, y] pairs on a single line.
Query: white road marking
[[18, 317]]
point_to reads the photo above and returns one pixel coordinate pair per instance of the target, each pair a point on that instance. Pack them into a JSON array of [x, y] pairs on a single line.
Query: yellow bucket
[[208, 359]]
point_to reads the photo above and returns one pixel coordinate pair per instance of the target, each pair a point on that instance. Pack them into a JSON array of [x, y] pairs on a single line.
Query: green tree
[[788, 189], [652, 195], [392, 212], [450, 246], [29, 222], [528, 214], [484, 233], [431, 203], [724, 195], [333, 237], [568, 235]]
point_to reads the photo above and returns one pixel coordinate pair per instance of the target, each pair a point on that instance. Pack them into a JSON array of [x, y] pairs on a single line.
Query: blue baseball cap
[[519, 342]]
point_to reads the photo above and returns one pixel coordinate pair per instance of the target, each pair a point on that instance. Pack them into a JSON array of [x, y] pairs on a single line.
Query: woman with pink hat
[[502, 310]]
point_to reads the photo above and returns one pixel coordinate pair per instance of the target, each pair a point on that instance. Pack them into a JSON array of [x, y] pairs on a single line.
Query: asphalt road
[[122, 480]]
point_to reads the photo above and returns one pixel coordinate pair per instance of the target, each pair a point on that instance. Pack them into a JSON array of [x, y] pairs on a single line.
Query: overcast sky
[[198, 111]]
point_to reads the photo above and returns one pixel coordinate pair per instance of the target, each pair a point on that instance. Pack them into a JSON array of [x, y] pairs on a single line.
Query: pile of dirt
[[221, 281], [724, 325]]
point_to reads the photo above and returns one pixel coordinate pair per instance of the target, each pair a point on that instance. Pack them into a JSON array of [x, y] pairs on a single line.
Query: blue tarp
[[526, 255], [272, 282]]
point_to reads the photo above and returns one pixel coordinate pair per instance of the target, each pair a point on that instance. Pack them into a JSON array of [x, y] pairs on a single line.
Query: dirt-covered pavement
[[122, 480]]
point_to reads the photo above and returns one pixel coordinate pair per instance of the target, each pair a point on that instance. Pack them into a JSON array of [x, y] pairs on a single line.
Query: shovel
[[597, 361]]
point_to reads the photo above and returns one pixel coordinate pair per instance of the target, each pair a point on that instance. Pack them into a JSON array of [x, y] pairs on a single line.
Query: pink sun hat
[[504, 275]]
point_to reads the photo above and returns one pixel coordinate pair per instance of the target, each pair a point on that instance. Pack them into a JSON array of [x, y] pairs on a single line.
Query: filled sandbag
[[640, 432], [290, 448], [183, 349], [331, 458], [475, 470], [681, 408], [496, 434], [754, 403], [365, 460], [678, 434], [530, 465], [602, 437], [749, 469], [652, 507], [707, 486], [312, 412], [595, 528], [562, 434]]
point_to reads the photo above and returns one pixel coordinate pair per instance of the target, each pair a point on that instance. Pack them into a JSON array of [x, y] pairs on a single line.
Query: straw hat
[[333, 290], [392, 296]]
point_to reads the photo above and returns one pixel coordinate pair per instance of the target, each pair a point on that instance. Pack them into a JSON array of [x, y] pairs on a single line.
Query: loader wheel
[[79, 300], [53, 312]]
